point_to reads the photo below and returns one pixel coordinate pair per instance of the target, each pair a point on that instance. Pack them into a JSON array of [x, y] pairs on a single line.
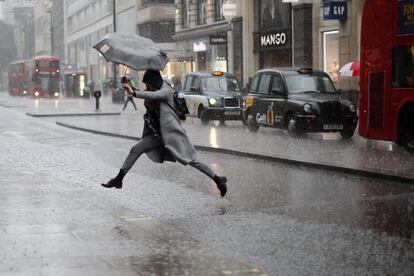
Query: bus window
[[403, 66]]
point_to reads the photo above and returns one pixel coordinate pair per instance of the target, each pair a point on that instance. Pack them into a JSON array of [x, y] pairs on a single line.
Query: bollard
[[97, 95]]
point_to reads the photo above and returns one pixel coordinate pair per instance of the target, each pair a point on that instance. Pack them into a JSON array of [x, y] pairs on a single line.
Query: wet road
[[169, 220]]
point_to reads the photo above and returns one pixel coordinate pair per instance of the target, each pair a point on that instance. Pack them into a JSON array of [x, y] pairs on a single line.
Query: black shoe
[[114, 182], [221, 184]]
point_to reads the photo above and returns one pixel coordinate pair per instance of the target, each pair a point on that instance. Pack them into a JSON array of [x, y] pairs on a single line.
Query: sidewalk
[[326, 151]]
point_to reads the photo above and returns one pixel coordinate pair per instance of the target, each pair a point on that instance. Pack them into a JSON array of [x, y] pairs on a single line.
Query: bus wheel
[[251, 123], [407, 129]]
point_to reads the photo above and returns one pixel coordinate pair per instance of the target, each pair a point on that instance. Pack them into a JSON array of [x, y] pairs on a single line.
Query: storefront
[[282, 34], [210, 53], [273, 33], [207, 52], [337, 40]]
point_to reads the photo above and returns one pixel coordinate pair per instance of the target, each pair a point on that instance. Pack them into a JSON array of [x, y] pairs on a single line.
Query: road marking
[[243, 271], [15, 134], [135, 217]]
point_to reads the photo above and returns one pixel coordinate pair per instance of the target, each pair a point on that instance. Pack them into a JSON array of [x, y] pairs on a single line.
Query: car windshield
[[305, 83], [223, 84]]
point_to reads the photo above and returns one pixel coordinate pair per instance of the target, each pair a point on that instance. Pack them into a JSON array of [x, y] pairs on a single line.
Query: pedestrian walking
[[130, 98], [163, 137]]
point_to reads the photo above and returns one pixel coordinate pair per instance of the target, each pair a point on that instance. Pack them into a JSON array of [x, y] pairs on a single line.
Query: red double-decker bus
[[387, 71], [40, 77], [16, 78]]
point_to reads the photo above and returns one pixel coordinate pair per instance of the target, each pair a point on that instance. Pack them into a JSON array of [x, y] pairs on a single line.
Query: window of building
[[218, 10], [159, 31], [331, 54], [274, 14], [185, 12], [202, 12], [149, 2]]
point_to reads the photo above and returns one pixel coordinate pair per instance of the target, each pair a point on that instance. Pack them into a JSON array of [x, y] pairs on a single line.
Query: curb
[[279, 159], [73, 114]]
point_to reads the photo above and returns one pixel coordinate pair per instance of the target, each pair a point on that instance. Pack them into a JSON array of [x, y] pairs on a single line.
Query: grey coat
[[177, 146]]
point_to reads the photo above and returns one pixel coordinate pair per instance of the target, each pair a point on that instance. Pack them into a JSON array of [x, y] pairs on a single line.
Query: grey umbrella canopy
[[136, 52]]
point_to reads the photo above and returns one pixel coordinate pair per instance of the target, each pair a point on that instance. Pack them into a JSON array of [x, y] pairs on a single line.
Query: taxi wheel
[[347, 133], [202, 114], [290, 124], [407, 129], [252, 125]]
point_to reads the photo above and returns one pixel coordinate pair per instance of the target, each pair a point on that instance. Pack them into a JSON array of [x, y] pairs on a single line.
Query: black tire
[[347, 132], [406, 129], [202, 114], [251, 123]]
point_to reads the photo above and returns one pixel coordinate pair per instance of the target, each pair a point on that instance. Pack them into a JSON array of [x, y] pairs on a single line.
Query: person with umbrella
[[163, 138]]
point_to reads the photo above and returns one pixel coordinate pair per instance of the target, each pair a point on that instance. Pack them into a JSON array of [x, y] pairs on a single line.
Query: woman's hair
[[153, 77]]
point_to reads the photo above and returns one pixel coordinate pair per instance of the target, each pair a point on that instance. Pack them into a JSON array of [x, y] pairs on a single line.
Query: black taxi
[[299, 100], [212, 96]]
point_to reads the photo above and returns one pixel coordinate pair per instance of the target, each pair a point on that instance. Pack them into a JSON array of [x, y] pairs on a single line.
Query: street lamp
[[51, 31], [114, 23]]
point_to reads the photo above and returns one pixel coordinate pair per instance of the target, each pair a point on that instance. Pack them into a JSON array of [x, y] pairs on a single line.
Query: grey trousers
[[150, 142]]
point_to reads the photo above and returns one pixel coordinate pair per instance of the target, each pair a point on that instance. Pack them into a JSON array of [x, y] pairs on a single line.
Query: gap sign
[[335, 10]]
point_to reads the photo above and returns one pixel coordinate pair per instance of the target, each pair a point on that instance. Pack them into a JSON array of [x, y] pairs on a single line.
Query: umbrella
[[350, 69], [136, 52]]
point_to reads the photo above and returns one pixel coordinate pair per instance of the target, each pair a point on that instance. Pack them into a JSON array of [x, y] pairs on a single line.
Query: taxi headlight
[[214, 102], [307, 108]]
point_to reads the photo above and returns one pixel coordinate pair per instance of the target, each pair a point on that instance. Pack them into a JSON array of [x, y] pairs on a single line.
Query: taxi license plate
[[232, 113], [333, 126]]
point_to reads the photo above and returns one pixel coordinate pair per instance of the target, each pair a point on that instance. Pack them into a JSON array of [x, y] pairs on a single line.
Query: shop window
[[403, 66], [331, 54], [202, 12]]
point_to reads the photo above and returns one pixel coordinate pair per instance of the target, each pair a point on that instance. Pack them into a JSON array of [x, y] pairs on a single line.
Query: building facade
[[278, 34], [87, 23], [336, 37], [19, 14], [204, 35], [156, 21]]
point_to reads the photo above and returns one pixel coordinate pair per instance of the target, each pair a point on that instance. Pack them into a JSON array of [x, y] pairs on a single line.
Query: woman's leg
[[147, 143], [206, 169], [203, 167], [125, 105], [133, 103]]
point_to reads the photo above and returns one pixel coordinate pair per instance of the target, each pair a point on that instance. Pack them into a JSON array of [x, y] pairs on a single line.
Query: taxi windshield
[[307, 83], [223, 84]]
